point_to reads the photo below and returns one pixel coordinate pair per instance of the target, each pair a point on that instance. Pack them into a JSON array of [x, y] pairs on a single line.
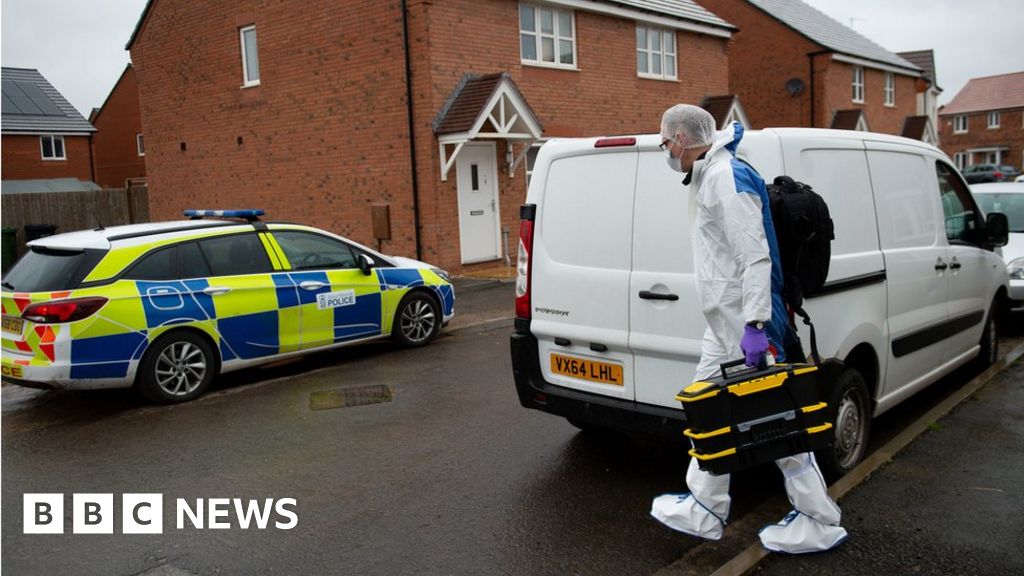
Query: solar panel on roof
[[39, 98]]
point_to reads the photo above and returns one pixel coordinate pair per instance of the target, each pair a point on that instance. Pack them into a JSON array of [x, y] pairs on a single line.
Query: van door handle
[[940, 265], [647, 295], [311, 285], [598, 347], [954, 265], [215, 290], [563, 342]]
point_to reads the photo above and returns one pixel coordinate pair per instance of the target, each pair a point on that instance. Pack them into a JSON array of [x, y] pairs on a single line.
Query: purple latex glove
[[754, 344]]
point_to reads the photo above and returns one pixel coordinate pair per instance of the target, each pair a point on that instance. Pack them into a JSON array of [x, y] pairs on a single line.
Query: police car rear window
[[48, 270]]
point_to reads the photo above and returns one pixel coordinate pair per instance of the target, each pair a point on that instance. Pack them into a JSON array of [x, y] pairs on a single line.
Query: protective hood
[[728, 139]]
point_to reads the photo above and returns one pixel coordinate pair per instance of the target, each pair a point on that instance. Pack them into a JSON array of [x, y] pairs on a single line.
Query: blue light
[[224, 213]]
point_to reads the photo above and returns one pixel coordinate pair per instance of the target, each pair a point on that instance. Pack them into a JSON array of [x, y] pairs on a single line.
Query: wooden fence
[[71, 211]]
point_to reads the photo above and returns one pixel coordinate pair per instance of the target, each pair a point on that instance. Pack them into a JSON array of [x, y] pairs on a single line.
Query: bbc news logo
[[144, 513]]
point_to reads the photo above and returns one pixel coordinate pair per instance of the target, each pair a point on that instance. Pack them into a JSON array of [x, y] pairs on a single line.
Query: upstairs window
[[858, 84], [993, 120], [250, 57], [890, 89], [547, 37], [140, 145], [960, 124], [53, 147], [655, 53]]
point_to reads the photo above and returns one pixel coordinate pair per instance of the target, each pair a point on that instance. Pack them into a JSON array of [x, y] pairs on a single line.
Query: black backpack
[[804, 231]]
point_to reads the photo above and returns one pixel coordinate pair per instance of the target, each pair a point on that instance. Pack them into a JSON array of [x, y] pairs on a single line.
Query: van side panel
[[581, 261], [665, 335], [837, 169], [913, 246]]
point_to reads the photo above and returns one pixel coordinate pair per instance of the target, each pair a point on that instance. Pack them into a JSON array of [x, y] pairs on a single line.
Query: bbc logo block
[[93, 513]]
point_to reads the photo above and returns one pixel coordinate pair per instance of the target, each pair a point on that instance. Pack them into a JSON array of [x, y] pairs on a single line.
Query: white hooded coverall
[[738, 281]]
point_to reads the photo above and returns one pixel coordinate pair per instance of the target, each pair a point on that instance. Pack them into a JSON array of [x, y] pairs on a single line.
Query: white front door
[[479, 228]]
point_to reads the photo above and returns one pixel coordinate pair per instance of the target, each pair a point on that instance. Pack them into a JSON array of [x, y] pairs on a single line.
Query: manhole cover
[[346, 397]]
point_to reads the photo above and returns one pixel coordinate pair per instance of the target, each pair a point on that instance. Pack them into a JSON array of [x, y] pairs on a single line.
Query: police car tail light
[[524, 260], [61, 311]]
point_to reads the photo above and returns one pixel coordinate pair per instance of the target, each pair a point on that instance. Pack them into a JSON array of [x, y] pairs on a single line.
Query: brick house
[[433, 111], [118, 148], [792, 65], [924, 126], [45, 140], [984, 123]]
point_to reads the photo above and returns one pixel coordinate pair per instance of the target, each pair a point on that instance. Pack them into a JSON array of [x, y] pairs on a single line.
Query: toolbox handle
[[729, 369]]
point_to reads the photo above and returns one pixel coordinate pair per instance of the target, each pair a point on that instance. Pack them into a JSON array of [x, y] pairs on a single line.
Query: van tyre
[[177, 367], [417, 320], [989, 352], [850, 408]]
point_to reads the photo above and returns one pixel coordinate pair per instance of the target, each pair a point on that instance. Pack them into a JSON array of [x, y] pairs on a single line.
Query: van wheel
[[417, 320], [178, 367], [851, 420], [989, 352]]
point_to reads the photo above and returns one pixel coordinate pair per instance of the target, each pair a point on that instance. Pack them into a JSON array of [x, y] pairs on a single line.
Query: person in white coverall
[[739, 284]]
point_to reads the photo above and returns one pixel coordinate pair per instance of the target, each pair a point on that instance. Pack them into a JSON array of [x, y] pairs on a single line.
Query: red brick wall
[[838, 95], [1010, 133], [23, 159], [114, 149], [604, 96], [766, 53], [763, 55], [321, 139], [326, 133]]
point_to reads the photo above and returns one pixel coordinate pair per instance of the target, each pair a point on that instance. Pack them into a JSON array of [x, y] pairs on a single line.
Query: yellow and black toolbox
[[747, 416]]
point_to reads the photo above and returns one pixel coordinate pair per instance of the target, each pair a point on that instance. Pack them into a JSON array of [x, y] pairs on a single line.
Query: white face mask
[[673, 162]]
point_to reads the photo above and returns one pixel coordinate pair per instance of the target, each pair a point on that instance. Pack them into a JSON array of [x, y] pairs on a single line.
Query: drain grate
[[346, 397]]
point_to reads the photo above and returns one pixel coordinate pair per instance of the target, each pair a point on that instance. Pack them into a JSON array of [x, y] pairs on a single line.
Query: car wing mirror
[[997, 227], [366, 264]]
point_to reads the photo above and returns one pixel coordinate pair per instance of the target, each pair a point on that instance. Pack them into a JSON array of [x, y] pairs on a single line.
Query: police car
[[167, 306]]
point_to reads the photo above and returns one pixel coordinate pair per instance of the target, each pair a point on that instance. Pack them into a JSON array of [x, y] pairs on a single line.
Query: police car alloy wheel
[[417, 320], [178, 367]]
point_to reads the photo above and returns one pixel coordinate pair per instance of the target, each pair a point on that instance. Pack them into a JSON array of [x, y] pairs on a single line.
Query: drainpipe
[[412, 129], [811, 56]]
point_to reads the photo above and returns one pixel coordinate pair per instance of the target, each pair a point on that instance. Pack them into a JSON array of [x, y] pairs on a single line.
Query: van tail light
[[524, 261], [62, 311]]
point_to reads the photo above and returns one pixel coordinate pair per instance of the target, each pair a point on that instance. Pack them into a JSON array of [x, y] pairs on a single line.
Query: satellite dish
[[794, 86]]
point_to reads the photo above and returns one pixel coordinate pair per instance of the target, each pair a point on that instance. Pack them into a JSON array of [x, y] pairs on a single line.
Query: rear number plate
[[589, 370], [13, 325]]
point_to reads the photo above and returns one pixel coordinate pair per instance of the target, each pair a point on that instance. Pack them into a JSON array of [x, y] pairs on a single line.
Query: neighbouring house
[[45, 140], [726, 110], [925, 125], [984, 123], [425, 114], [118, 147], [792, 65]]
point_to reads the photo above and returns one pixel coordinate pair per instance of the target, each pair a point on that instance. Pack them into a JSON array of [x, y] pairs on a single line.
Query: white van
[[608, 325]]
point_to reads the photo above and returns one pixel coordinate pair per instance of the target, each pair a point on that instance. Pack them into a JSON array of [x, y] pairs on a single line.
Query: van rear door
[[581, 265], [666, 323]]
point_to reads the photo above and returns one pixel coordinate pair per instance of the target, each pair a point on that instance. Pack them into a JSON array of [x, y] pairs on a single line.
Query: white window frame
[[662, 53], [140, 145], [993, 116], [557, 36], [246, 81], [890, 89], [960, 124], [858, 85], [960, 159], [53, 139]]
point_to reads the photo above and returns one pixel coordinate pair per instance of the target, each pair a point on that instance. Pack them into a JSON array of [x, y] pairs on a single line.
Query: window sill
[[653, 77], [549, 66], [890, 105], [993, 127], [55, 159], [249, 85], [861, 102], [960, 132]]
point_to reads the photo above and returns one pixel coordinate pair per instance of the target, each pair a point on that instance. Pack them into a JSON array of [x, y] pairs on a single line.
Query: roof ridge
[[996, 75]]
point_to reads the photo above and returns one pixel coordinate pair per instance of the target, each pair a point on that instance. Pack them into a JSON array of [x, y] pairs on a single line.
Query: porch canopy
[[485, 107]]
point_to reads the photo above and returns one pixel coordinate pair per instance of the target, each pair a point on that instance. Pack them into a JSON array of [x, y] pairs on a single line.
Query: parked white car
[[608, 325], [1008, 198]]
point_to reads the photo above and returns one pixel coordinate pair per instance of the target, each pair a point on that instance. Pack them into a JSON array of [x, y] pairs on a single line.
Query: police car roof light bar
[[247, 215]]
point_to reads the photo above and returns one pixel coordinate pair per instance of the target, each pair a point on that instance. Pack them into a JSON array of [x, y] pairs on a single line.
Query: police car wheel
[[417, 320], [178, 367], [851, 420]]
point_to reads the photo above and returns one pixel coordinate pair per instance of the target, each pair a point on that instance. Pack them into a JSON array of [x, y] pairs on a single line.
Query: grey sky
[[78, 45]]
